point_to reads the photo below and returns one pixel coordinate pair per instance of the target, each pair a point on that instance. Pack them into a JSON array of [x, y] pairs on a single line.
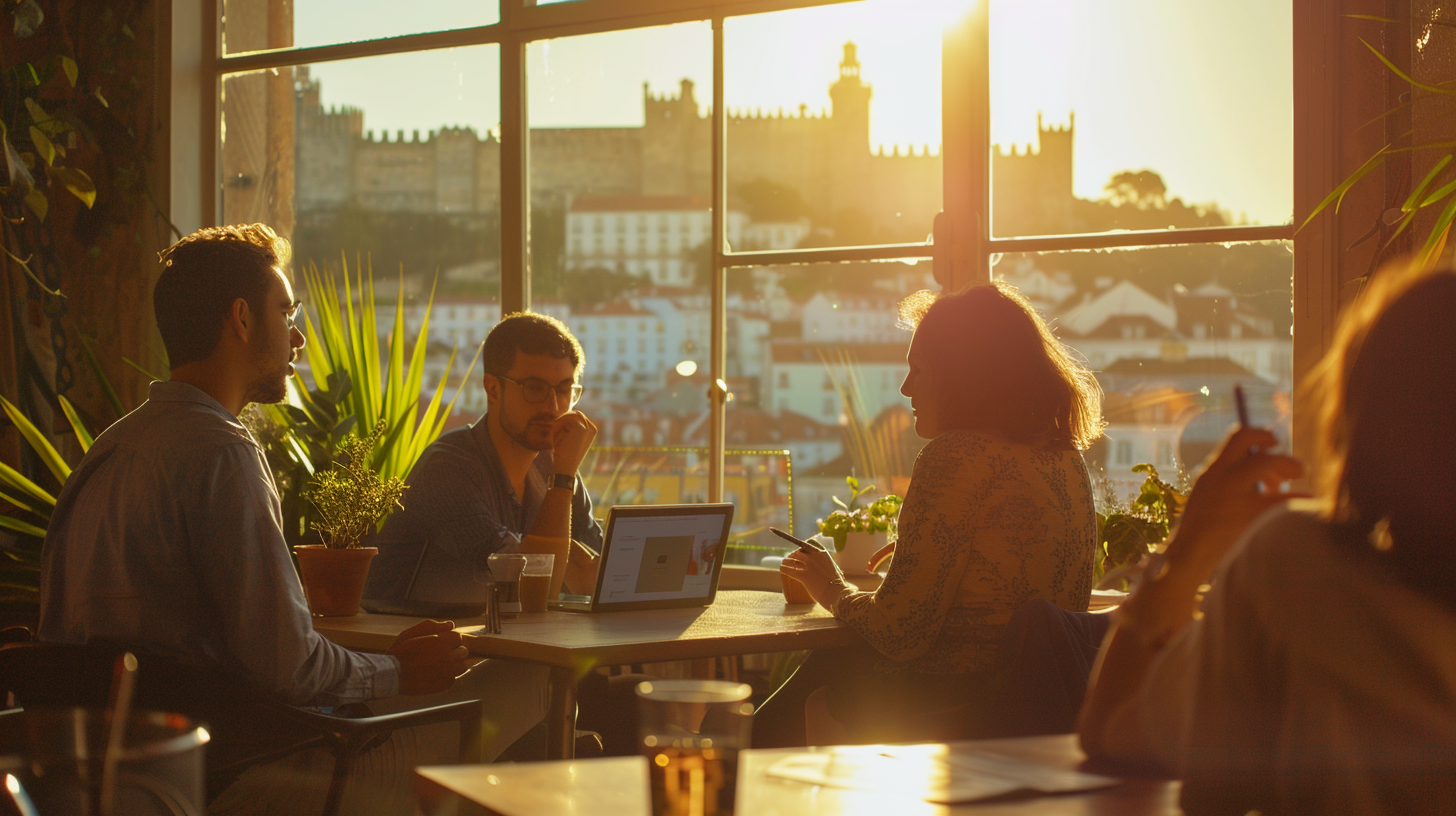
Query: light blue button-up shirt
[[169, 535]]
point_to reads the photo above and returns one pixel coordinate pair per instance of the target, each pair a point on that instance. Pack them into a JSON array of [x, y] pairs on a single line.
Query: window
[[1124, 453], [398, 146]]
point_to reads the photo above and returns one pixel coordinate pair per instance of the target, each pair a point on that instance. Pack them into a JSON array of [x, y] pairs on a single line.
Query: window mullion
[[718, 352], [515, 171]]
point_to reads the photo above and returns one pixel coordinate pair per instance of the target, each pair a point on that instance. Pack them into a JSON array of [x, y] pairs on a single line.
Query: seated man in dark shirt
[[508, 484], [504, 484]]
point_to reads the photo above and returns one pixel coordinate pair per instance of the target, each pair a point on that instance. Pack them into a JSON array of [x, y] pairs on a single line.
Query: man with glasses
[[506, 484]]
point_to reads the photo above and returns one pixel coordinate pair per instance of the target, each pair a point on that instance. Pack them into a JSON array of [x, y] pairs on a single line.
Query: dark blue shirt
[[459, 509]]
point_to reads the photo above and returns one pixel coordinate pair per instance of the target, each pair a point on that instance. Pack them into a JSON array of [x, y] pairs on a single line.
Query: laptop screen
[[659, 555]]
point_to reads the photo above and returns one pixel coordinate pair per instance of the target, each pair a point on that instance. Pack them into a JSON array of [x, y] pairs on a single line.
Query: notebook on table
[[657, 557]]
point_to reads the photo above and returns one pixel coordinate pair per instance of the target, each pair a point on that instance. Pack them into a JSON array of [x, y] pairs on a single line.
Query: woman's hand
[[819, 574], [1239, 484]]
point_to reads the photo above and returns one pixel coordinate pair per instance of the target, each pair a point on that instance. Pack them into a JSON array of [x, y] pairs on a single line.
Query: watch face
[[563, 480]]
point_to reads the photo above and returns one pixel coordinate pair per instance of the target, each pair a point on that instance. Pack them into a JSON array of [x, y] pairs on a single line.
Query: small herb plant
[[858, 517], [351, 497], [1128, 532]]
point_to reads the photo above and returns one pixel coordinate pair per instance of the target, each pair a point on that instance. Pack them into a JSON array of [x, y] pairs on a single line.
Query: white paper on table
[[930, 772]]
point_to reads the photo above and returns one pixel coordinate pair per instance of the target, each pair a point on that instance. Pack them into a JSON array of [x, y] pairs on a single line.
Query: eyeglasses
[[292, 315], [536, 390]]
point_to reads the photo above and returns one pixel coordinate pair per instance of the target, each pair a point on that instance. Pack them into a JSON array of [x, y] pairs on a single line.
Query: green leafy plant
[[356, 385], [860, 516], [351, 498], [1437, 188], [1127, 533], [20, 559]]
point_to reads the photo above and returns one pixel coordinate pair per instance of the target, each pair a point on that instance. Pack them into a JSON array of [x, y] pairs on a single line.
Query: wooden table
[[573, 643], [618, 787]]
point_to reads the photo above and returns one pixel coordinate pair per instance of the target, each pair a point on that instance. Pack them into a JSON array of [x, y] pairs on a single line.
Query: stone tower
[[850, 97]]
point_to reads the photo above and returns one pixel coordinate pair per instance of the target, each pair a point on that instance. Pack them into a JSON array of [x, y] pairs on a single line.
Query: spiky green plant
[[351, 498], [344, 348], [20, 565], [356, 383]]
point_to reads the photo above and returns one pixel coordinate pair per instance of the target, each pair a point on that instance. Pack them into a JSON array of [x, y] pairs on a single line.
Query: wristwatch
[[564, 480]]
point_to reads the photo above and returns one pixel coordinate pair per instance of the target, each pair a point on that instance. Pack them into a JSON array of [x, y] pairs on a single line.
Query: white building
[[802, 377], [829, 318], [649, 236], [455, 322], [1123, 322]]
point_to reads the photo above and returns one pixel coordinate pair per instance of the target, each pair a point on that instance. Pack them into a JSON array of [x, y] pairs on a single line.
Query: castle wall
[[584, 161]]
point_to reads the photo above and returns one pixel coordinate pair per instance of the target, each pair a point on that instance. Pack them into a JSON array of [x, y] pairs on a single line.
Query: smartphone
[[798, 542]]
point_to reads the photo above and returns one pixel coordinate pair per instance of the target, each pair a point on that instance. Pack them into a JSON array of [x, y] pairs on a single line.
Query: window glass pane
[[834, 124], [644, 473], [620, 225], [258, 25], [815, 364], [1140, 114], [1169, 331], [387, 163]]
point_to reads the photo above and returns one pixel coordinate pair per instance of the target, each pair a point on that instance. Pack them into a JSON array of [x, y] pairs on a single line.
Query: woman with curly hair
[[999, 512]]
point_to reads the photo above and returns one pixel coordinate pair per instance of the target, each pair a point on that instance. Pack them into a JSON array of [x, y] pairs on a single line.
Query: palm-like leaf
[[385, 384]]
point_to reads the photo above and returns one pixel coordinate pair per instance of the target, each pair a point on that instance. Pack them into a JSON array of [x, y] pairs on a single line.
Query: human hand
[[571, 438], [430, 657], [1240, 482], [818, 572]]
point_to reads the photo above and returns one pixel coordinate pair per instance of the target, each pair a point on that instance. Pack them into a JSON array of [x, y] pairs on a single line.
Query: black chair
[[248, 726], [1043, 665], [1036, 684]]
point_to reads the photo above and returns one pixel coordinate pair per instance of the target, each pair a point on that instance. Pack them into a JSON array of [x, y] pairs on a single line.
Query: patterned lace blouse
[[987, 525]]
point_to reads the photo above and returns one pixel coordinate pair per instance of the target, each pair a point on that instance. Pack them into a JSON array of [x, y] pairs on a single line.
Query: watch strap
[[564, 480]]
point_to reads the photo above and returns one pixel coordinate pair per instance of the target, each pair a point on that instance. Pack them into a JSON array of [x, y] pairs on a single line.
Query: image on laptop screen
[[663, 553]]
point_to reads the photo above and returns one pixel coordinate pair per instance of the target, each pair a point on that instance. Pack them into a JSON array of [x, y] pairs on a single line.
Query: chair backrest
[[1045, 658]]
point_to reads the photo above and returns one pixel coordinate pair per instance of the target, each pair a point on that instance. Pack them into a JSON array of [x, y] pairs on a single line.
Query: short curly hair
[[531, 333], [997, 367], [203, 275]]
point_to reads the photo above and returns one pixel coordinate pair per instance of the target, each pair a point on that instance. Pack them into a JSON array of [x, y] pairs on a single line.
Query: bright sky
[[1198, 91]]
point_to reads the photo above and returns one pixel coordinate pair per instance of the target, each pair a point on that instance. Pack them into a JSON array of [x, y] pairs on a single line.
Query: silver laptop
[[658, 556]]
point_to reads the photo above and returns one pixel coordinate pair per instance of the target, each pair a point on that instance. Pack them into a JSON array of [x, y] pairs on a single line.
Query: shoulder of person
[[962, 448], [450, 450]]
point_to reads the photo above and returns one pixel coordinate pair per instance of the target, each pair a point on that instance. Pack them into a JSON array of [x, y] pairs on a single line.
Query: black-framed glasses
[[536, 390]]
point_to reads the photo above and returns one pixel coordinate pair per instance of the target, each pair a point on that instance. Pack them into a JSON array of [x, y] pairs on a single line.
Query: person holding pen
[[1317, 675], [999, 512]]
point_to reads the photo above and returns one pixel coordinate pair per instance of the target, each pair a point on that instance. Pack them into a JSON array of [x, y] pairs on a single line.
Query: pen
[[799, 542]]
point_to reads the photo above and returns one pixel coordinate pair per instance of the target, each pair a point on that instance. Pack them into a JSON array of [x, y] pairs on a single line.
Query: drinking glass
[[535, 583], [506, 568], [691, 732]]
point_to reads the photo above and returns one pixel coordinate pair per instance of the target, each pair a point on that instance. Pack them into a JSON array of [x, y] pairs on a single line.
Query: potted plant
[[860, 528], [1128, 532], [351, 499]]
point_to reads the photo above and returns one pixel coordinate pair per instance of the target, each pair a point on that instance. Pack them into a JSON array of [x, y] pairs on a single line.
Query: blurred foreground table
[[573, 643], [618, 787]]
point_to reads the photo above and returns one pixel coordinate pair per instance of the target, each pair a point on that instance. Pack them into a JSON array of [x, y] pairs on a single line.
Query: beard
[[272, 386], [535, 434]]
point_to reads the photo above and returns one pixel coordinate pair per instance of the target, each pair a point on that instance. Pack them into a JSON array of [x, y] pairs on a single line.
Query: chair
[[1036, 684], [248, 726]]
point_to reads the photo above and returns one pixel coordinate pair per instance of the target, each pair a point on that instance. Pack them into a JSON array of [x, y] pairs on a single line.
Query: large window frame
[[962, 247]]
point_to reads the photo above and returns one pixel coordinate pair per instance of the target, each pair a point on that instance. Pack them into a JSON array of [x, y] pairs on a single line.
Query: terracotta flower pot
[[333, 580]]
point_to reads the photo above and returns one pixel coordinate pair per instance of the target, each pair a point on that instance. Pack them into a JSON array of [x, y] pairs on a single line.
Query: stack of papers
[[931, 772]]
